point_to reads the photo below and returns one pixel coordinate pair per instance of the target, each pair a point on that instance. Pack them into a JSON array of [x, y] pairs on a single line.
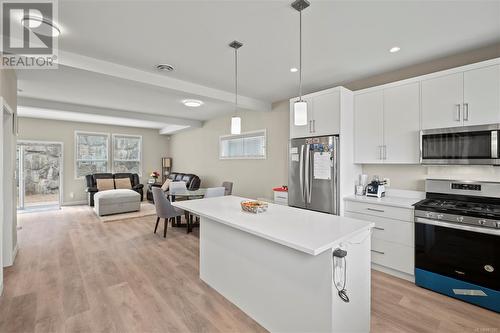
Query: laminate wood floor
[[74, 273]]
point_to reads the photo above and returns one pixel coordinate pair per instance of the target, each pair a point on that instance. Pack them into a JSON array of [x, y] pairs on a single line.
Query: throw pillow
[[105, 184], [123, 183], [165, 185]]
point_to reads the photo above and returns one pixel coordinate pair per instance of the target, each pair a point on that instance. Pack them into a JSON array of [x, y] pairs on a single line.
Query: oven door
[[465, 253], [460, 145]]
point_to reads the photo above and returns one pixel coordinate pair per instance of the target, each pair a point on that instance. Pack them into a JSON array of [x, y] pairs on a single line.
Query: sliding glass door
[[39, 168]]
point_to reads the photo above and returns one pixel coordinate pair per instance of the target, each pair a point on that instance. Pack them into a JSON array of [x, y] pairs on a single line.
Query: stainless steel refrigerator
[[313, 174]]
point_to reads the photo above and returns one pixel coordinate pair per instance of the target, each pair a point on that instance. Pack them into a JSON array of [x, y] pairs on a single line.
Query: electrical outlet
[[387, 182]]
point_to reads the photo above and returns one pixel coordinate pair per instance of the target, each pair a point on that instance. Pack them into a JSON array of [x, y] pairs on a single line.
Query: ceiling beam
[[128, 73], [99, 111]]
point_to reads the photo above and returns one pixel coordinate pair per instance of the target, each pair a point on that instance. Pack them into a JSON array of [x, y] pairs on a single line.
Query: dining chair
[[215, 192], [164, 209], [211, 192], [228, 186]]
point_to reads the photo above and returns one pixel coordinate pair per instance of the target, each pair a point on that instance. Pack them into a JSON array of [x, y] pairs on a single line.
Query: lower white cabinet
[[393, 243]]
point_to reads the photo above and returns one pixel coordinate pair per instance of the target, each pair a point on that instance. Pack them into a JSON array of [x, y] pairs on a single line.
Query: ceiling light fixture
[[164, 67], [192, 103], [394, 49], [300, 106], [294, 70], [43, 25], [235, 119]]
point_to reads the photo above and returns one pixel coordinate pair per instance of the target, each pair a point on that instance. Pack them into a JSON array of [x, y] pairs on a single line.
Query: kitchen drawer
[[396, 231], [392, 255], [389, 212]]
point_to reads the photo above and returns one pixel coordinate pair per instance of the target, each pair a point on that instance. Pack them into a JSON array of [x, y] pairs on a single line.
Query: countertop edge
[[313, 252], [387, 201]]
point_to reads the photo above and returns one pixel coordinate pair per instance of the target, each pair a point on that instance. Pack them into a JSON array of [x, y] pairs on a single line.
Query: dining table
[[186, 195]]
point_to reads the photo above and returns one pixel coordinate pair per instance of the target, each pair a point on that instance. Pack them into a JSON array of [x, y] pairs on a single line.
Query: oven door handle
[[481, 230]]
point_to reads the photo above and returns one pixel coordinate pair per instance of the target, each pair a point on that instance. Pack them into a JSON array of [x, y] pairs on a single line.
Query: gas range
[[461, 202], [457, 230]]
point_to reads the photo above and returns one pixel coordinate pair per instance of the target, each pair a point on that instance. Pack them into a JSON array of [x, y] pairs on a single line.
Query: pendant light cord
[[236, 80], [300, 55]]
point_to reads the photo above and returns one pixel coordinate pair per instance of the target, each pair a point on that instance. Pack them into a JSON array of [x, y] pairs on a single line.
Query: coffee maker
[[376, 188]]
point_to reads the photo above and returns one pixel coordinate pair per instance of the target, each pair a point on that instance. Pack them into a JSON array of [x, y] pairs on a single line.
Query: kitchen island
[[277, 266]]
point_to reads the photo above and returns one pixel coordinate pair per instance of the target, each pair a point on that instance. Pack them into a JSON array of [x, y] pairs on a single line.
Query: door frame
[[61, 169]]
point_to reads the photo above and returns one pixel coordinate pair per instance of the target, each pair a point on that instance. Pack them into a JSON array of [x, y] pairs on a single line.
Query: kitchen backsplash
[[412, 177]]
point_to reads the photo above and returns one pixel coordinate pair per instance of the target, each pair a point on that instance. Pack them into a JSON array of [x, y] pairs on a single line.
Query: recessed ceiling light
[[294, 69], [43, 25], [164, 67], [192, 103], [394, 49]]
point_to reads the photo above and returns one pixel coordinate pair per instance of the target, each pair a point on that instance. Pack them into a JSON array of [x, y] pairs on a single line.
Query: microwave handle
[[494, 144]]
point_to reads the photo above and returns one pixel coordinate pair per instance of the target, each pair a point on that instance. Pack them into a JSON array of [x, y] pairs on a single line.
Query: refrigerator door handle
[[301, 172], [335, 176], [306, 173], [310, 176]]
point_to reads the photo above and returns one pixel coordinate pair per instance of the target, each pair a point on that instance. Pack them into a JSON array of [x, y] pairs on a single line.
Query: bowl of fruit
[[253, 206]]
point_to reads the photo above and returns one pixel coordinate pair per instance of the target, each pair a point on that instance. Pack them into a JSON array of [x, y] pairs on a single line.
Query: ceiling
[[343, 41]]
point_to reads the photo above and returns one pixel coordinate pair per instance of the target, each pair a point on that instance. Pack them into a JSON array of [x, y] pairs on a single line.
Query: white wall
[[8, 239], [154, 147], [197, 151]]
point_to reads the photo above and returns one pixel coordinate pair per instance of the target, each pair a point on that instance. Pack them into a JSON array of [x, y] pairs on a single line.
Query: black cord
[[341, 292]]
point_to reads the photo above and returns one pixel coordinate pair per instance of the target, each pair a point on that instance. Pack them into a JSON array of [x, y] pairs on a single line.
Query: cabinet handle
[[378, 228], [379, 152], [314, 126], [385, 152], [375, 210], [310, 126], [379, 252], [466, 111], [457, 114]]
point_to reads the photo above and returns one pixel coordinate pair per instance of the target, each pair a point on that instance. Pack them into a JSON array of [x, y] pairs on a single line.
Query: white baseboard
[[74, 203], [13, 259], [393, 272]]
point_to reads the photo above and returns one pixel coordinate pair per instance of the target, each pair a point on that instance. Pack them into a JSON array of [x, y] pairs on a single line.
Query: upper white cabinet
[[368, 127], [482, 96], [442, 101], [465, 98], [326, 114], [323, 115], [387, 125], [402, 124]]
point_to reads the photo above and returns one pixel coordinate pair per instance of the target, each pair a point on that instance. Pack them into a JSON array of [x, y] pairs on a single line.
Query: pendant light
[[235, 119], [300, 106]]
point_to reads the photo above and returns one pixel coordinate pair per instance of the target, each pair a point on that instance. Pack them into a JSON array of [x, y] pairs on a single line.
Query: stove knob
[[498, 225], [460, 218], [439, 216], [482, 222], [428, 214]]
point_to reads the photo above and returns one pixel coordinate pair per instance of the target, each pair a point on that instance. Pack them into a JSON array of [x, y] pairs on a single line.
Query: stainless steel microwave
[[460, 145]]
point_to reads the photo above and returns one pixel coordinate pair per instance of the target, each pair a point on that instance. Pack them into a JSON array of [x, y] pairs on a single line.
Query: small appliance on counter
[[281, 195], [376, 188], [361, 185], [457, 237]]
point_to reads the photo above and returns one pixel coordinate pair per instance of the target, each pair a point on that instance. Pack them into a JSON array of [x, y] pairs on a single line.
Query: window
[[250, 145], [91, 153], [127, 153]]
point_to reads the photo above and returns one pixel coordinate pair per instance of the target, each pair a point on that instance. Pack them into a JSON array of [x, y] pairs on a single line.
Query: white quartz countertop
[[389, 200], [300, 229]]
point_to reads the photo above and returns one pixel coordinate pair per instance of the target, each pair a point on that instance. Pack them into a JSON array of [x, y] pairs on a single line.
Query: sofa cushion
[[123, 183], [113, 196], [105, 184]]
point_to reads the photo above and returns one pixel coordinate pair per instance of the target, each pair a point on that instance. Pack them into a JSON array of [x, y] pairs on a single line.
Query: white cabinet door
[[301, 131], [326, 117], [442, 99], [481, 96], [402, 124], [368, 127]]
